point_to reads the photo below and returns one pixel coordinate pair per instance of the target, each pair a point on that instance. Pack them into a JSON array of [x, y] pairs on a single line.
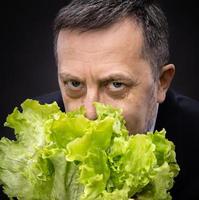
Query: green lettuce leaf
[[65, 156]]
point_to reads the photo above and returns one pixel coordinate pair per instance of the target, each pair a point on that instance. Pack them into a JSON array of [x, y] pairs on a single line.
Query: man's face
[[107, 66]]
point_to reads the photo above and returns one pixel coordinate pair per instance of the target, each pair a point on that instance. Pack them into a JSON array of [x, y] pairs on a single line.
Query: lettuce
[[65, 156]]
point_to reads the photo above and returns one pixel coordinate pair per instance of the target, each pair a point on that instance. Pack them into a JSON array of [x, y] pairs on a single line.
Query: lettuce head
[[65, 156]]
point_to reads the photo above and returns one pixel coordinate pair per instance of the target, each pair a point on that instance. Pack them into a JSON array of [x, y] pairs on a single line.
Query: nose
[[90, 111], [91, 97]]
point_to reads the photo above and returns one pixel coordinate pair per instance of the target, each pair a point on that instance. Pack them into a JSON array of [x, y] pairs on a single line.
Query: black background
[[27, 66], [27, 62]]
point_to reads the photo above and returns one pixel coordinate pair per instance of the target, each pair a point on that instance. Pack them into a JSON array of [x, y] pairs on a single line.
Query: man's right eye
[[74, 88], [74, 85]]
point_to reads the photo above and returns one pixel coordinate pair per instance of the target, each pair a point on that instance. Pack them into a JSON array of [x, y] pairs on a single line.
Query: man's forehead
[[125, 34]]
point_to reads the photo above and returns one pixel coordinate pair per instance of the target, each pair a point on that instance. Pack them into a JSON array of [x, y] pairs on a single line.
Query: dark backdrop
[[27, 63]]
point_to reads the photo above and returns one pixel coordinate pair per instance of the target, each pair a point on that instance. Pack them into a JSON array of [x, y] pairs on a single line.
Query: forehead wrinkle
[[90, 40]]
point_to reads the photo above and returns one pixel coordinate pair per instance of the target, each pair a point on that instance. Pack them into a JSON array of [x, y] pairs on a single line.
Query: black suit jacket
[[179, 115]]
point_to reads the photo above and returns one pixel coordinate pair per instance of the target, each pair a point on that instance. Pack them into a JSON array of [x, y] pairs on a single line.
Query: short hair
[[86, 15]]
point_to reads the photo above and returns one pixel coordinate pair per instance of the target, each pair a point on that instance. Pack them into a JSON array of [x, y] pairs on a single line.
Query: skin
[[107, 66]]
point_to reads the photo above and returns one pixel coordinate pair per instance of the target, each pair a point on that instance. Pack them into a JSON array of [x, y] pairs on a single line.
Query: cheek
[[139, 111], [69, 103], [134, 115]]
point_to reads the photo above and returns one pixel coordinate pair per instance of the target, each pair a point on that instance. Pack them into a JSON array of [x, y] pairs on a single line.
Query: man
[[116, 52]]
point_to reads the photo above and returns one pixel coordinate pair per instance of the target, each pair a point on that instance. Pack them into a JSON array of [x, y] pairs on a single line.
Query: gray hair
[[85, 15]]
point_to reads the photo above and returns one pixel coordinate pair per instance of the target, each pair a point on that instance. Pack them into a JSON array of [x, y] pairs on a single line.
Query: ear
[[165, 78]]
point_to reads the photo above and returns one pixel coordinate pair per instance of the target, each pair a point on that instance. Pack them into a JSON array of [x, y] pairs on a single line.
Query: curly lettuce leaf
[[59, 156]]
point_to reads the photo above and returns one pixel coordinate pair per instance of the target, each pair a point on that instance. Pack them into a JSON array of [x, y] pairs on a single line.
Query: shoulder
[[179, 115], [50, 98], [176, 109], [185, 104]]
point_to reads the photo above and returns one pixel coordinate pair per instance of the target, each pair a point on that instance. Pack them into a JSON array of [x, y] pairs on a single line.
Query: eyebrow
[[66, 76], [118, 77]]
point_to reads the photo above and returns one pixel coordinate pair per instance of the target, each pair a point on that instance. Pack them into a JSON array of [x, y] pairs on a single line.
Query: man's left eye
[[116, 86]]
